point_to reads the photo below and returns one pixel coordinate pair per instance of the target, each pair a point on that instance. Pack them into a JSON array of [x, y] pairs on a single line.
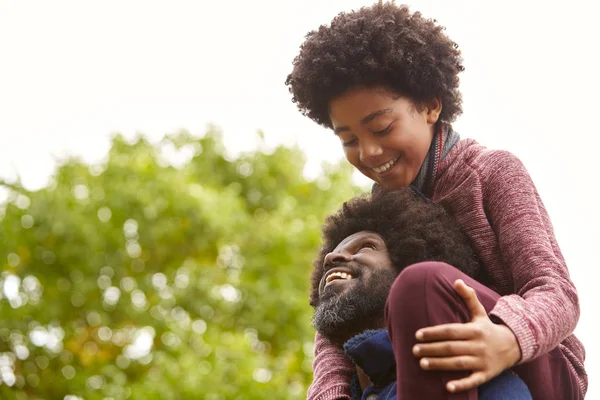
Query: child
[[386, 81]]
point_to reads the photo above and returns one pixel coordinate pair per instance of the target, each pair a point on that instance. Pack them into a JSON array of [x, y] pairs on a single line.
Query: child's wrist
[[513, 355]]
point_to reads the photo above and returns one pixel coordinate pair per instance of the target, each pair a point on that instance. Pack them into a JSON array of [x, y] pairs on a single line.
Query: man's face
[[357, 278]]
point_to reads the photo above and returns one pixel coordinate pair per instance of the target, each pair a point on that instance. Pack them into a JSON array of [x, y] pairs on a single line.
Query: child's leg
[[424, 295]]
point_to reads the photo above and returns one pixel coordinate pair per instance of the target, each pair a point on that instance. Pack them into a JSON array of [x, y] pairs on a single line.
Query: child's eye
[[384, 131], [350, 142]]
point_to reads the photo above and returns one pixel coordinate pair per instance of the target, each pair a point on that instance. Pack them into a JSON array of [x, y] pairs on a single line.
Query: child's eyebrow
[[374, 115], [365, 120]]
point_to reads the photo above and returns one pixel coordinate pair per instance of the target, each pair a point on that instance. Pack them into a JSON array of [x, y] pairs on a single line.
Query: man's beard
[[361, 307]]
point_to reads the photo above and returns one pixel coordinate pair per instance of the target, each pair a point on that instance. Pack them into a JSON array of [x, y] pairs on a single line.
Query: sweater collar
[[372, 351]]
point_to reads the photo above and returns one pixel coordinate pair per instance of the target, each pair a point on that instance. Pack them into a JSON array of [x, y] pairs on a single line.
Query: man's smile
[[337, 276], [332, 276]]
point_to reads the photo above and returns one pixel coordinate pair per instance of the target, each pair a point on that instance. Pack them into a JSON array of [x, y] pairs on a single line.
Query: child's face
[[385, 136]]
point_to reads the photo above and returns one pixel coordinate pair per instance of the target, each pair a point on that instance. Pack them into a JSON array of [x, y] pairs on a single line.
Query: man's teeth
[[337, 275], [386, 166]]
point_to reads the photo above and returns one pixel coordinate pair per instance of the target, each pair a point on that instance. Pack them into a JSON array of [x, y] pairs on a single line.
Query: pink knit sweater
[[492, 197]]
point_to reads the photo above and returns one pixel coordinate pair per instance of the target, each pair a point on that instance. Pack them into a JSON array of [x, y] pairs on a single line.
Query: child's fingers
[[474, 380], [447, 348], [448, 332], [469, 296], [458, 363]]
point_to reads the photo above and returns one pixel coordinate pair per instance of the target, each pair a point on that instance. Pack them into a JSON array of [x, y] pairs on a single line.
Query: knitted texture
[[333, 372], [494, 201]]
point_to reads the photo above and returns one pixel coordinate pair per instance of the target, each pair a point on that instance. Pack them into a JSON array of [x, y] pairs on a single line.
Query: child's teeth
[[386, 166]]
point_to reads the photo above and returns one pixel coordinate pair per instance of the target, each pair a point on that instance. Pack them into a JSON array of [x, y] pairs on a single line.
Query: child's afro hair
[[381, 45]]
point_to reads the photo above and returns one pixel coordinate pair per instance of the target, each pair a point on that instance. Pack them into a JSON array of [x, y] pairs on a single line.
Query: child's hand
[[480, 346]]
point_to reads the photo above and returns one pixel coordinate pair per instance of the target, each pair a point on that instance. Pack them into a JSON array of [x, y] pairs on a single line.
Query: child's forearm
[[332, 370], [544, 309]]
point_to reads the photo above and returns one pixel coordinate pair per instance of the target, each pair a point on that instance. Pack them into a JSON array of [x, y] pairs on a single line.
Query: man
[[370, 249]]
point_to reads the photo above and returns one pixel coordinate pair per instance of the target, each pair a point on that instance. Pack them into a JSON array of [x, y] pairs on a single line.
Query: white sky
[[73, 72]]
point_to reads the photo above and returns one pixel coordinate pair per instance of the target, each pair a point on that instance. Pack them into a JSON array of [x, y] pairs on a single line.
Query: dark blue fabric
[[505, 386], [372, 351]]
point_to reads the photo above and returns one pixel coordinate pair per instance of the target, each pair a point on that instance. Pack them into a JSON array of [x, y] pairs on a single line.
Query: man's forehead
[[357, 237]]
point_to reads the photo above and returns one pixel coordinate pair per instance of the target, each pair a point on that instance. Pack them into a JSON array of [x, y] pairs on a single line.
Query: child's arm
[[545, 308], [332, 370]]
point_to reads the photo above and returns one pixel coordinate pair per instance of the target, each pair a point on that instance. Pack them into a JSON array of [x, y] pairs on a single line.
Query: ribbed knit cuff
[[518, 325]]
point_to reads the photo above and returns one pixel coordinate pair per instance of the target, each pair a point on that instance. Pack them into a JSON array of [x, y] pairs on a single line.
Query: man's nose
[[369, 148], [335, 257]]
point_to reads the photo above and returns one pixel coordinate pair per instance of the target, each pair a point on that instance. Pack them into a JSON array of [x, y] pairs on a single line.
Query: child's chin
[[392, 184]]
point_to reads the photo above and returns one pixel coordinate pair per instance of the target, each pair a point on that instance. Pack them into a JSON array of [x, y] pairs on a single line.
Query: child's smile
[[387, 166]]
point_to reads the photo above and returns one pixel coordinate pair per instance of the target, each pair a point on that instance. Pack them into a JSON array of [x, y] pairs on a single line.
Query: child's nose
[[369, 149]]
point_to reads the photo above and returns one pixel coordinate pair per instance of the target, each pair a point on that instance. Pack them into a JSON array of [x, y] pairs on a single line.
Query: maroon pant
[[423, 295]]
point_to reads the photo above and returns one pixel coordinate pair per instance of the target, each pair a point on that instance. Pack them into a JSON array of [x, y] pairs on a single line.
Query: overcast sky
[[74, 72]]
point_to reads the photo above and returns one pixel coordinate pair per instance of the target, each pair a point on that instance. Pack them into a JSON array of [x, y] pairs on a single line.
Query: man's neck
[[363, 379]]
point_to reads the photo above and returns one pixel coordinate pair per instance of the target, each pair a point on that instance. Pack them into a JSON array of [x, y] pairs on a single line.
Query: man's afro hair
[[381, 45], [413, 229]]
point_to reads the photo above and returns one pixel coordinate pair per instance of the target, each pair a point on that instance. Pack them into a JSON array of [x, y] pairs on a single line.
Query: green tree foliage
[[139, 279]]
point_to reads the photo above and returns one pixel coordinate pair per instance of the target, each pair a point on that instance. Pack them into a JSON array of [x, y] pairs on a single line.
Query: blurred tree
[[169, 271]]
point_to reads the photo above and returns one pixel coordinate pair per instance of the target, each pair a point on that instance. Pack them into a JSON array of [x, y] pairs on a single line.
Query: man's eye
[[368, 246]]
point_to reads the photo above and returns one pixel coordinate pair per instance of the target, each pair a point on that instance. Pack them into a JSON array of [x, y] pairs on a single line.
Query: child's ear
[[434, 109]]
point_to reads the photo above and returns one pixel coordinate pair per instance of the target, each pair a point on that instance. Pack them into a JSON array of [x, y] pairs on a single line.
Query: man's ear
[[433, 109]]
